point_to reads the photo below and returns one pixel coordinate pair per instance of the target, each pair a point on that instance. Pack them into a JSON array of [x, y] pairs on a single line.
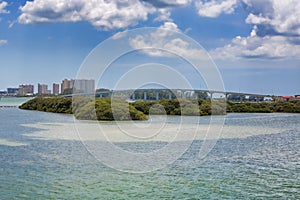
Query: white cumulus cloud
[[282, 16], [164, 14], [275, 34], [3, 6], [215, 8], [253, 46], [164, 42], [103, 14]]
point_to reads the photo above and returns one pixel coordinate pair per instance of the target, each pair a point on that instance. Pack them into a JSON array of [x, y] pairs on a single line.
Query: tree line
[[86, 108]]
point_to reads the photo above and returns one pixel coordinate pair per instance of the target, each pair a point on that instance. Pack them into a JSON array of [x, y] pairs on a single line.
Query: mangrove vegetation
[[85, 108]]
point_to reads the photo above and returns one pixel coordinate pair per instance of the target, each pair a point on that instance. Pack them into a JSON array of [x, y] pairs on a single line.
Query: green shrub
[[88, 108]]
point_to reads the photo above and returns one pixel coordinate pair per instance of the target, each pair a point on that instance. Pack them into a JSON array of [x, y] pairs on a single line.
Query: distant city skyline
[[74, 85], [255, 44]]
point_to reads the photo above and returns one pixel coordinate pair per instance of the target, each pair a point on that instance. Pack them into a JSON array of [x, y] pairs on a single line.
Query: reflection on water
[[256, 158]]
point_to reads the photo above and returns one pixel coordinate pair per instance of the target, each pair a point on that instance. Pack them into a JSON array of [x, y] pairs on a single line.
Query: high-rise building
[[66, 84], [26, 90], [84, 85], [43, 89], [55, 88], [78, 85], [12, 91]]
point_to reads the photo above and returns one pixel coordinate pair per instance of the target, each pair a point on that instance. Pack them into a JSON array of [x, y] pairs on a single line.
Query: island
[[107, 109]]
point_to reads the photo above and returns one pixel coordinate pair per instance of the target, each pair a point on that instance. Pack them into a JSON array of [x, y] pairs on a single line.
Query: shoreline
[[104, 109]]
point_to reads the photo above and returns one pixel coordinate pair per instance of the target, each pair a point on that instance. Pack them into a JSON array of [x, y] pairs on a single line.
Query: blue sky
[[255, 44]]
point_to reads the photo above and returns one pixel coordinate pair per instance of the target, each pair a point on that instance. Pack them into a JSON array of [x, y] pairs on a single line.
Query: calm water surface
[[13, 101], [264, 166]]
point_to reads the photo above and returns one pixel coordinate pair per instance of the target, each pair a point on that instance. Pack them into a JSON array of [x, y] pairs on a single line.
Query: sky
[[255, 44]]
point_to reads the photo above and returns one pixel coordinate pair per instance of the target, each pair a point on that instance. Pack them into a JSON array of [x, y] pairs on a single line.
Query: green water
[[13, 101], [263, 166]]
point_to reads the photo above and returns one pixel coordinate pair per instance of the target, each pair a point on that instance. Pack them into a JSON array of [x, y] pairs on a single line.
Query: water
[[13, 101], [257, 157]]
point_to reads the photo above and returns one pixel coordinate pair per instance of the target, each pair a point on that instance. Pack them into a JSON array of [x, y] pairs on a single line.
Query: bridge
[[158, 94]]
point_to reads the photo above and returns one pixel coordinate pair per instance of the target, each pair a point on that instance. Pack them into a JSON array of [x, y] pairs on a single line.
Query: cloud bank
[[283, 17], [276, 28], [166, 41], [275, 34], [103, 14], [215, 8], [253, 46]]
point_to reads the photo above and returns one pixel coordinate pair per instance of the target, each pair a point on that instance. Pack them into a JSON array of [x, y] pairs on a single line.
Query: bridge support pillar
[[226, 96], [210, 95], [257, 99], [157, 96]]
